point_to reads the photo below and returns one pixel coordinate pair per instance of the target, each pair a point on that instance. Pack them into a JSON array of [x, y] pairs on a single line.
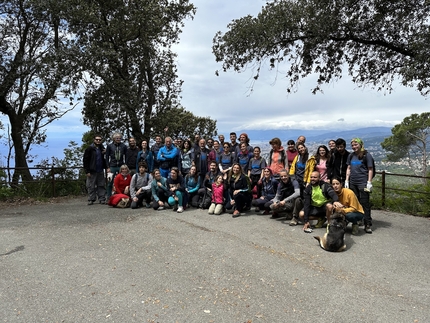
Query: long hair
[[305, 156], [195, 176], [230, 172], [318, 156]]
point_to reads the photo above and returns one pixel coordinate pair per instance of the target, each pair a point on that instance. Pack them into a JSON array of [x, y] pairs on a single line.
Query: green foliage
[[126, 48], [36, 67], [374, 41], [410, 139]]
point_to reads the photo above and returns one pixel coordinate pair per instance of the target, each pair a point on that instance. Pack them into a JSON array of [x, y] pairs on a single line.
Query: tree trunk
[[20, 158]]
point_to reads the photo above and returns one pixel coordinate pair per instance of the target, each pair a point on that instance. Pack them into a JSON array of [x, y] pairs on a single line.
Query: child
[[217, 196]]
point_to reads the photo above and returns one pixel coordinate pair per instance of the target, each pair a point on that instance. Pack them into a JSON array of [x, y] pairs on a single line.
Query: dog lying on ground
[[334, 238]]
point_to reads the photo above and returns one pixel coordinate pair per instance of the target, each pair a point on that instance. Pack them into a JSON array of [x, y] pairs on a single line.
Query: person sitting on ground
[[217, 188], [140, 187], [159, 190], [239, 190], [317, 202], [192, 186], [287, 198], [205, 190], [268, 191], [351, 207], [176, 186], [121, 186]]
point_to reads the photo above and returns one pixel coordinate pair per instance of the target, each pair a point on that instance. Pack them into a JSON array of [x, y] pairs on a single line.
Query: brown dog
[[334, 238]]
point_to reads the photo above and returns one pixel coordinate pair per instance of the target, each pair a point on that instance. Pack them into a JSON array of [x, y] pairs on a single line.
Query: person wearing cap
[[359, 175]]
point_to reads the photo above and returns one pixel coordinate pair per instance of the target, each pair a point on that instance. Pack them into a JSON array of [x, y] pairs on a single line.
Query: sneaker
[[167, 205], [320, 223], [293, 221], [160, 208], [368, 229], [257, 209], [236, 214], [102, 202], [90, 202], [354, 229], [266, 212], [148, 205], [180, 209]]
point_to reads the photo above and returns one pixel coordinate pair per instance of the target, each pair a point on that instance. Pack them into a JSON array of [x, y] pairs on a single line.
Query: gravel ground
[[65, 261]]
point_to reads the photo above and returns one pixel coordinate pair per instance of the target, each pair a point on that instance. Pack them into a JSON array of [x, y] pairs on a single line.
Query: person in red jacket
[[121, 186]]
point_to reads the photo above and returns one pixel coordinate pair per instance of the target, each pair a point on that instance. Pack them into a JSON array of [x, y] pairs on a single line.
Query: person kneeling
[[140, 187], [217, 204]]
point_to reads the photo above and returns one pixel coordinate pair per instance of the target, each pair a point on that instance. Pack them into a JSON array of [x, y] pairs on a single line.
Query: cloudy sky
[[227, 97]]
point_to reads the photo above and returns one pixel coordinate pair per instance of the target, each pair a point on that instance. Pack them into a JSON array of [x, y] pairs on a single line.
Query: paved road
[[69, 262]]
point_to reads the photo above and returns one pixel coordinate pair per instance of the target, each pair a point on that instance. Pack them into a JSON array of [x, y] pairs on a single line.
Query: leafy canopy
[[376, 41]]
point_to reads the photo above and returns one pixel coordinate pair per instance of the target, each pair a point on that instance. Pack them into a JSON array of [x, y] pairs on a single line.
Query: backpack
[[365, 165], [206, 200], [283, 157]]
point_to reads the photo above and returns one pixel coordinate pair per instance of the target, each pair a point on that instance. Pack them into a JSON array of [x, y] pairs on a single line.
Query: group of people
[[232, 176]]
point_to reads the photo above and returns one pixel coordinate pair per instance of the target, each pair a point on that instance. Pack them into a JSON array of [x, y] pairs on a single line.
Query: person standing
[[168, 157], [277, 158], [155, 149], [95, 166], [131, 155], [337, 164], [115, 157], [359, 175]]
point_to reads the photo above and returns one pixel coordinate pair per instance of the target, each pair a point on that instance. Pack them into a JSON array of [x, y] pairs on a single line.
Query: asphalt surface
[[69, 262]]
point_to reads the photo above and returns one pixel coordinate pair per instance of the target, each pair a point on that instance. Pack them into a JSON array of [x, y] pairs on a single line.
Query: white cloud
[[227, 98]]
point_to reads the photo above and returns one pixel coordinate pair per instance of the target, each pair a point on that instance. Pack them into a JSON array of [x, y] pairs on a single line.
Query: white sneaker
[[160, 208], [180, 209]]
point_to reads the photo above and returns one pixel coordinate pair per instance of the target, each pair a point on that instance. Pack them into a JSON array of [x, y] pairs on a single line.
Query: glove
[[369, 186], [346, 184], [109, 176]]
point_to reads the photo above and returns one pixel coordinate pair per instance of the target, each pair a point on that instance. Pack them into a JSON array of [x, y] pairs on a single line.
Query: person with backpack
[[359, 175], [140, 187], [277, 157], [255, 170]]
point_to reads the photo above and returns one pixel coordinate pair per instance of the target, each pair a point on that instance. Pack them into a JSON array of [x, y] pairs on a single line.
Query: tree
[[35, 70], [411, 140], [126, 48], [376, 41]]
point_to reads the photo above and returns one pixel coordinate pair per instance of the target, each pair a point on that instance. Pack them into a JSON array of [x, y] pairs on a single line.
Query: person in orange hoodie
[[277, 158]]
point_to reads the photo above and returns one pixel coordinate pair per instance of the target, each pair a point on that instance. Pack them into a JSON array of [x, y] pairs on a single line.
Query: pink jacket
[[217, 194]]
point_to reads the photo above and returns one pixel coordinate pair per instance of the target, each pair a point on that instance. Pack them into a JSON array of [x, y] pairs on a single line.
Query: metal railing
[[54, 175]]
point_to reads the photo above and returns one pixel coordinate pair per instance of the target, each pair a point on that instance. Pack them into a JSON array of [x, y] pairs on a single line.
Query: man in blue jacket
[[168, 157]]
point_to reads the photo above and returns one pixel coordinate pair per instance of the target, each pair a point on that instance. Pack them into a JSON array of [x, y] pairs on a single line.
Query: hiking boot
[[175, 207], [236, 214], [368, 229], [180, 209], [354, 229], [320, 223], [293, 221]]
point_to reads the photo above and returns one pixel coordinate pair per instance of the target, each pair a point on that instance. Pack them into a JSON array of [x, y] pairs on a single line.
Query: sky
[[227, 97]]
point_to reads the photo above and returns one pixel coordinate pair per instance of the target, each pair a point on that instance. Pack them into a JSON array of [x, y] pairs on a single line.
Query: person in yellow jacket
[[351, 207], [302, 167]]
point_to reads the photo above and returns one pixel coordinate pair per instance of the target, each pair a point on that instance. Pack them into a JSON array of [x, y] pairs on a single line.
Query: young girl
[[217, 196]]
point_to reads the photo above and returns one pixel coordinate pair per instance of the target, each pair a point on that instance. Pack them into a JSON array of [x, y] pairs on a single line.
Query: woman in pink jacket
[[217, 205]]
